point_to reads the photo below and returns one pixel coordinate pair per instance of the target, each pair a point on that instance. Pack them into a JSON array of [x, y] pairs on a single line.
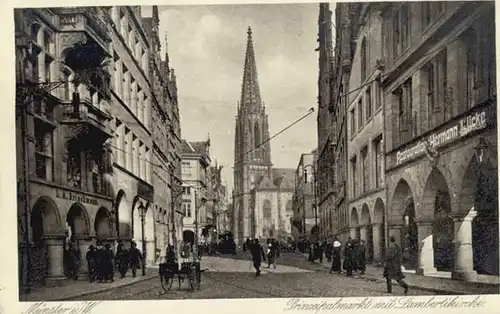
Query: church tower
[[252, 154]]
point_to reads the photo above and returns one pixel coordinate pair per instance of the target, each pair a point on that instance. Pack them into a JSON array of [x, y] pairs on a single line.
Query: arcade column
[[83, 246], [426, 249], [377, 241], [464, 264], [55, 251], [352, 232]]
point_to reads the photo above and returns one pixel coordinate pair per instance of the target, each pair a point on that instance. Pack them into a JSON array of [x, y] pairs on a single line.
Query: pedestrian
[[271, 254], [91, 263], [392, 267], [328, 250], [122, 260], [170, 257], [349, 262], [362, 257], [108, 263], [135, 257], [319, 251], [311, 253], [257, 255], [336, 256], [100, 262]]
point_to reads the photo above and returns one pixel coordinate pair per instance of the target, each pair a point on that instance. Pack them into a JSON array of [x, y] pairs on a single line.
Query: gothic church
[[262, 194]]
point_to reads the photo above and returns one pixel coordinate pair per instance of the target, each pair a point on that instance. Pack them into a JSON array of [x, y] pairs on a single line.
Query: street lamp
[[482, 151], [142, 212], [196, 210]]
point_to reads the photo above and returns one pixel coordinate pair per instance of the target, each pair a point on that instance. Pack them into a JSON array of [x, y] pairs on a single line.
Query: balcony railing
[[86, 19], [95, 121]]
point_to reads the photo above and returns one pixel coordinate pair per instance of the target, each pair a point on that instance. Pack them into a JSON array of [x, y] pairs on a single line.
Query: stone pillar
[[364, 233], [464, 264], [55, 252], [426, 249], [352, 232], [377, 241], [83, 246]]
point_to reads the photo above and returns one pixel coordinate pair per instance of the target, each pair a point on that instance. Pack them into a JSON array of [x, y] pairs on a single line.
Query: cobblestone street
[[234, 278]]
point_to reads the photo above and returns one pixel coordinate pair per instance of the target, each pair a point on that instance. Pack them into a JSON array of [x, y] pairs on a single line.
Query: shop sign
[[465, 126], [76, 197]]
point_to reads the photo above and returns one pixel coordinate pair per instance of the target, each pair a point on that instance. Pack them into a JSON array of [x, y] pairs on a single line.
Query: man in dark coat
[[336, 256], [258, 255], [349, 258], [100, 260], [362, 257], [91, 263], [135, 258], [392, 267], [108, 263], [122, 260]]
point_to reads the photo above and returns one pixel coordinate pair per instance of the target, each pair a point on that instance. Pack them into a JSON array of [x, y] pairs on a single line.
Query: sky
[[206, 46]]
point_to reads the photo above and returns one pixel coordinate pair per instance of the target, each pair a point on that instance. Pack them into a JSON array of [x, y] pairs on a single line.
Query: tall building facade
[[440, 142], [262, 195], [365, 127], [165, 134], [195, 164], [84, 128], [64, 130], [305, 215], [332, 114], [434, 122]]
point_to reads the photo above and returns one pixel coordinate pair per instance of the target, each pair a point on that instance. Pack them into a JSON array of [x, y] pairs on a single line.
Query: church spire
[[250, 92]]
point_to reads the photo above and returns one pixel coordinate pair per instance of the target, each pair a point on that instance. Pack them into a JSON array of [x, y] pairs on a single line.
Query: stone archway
[[366, 231], [124, 221], [45, 221], [403, 210], [354, 224], [103, 224], [188, 236], [149, 235], [78, 222], [378, 230], [438, 240], [479, 198]]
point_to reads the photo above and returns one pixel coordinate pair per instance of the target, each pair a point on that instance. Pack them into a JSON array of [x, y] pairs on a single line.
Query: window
[[43, 151], [436, 72], [95, 159], [128, 149], [366, 170], [186, 190], [360, 113], [403, 100], [401, 30], [363, 61], [431, 12], [470, 38], [378, 162], [353, 121], [354, 176], [186, 168], [368, 100], [186, 208], [378, 95]]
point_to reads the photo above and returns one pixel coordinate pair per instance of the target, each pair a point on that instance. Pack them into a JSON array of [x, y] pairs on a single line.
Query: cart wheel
[[166, 282]]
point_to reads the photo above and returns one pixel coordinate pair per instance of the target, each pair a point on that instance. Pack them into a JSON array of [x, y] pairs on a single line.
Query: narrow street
[[234, 278]]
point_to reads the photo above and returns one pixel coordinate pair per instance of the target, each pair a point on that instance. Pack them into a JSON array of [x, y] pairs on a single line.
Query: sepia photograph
[[243, 151]]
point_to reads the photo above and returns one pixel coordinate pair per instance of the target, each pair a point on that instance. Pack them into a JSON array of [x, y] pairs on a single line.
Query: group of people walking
[[102, 261]]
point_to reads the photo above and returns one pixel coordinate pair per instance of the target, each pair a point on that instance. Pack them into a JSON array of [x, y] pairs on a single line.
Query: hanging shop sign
[[76, 197], [462, 128]]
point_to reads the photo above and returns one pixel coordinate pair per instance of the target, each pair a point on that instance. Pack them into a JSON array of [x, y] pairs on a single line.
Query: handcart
[[189, 271]]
